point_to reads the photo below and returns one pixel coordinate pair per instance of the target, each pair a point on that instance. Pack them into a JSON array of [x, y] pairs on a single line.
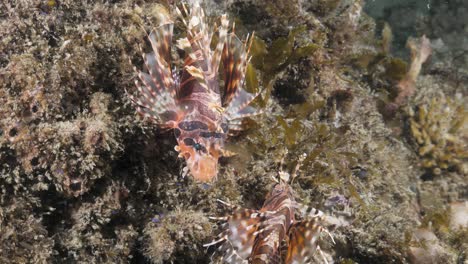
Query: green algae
[[283, 51], [395, 69], [252, 84]]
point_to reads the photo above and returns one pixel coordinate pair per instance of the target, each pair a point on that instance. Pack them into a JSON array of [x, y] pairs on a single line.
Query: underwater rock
[[23, 238], [427, 248], [97, 232], [291, 88], [459, 215], [178, 235]]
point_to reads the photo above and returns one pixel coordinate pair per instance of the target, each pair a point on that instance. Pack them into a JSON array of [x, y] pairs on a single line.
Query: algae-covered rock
[[174, 236], [83, 179], [24, 239]]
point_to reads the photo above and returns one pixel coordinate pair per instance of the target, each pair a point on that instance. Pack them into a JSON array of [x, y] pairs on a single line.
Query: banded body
[[272, 234], [190, 101]]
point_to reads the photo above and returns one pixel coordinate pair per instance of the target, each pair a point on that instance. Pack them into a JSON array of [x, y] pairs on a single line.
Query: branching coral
[[439, 129]]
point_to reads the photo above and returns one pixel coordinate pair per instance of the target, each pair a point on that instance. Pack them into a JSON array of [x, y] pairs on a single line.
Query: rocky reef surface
[[84, 180]]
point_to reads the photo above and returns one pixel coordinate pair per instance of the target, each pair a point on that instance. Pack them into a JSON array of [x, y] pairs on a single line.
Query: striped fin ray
[[235, 64], [239, 107], [235, 60], [158, 62], [238, 237], [202, 62], [303, 241], [161, 41], [155, 97], [198, 35], [267, 247], [223, 37], [309, 212], [158, 107]]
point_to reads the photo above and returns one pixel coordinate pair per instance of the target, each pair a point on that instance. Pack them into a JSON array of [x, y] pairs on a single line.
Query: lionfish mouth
[[203, 167]]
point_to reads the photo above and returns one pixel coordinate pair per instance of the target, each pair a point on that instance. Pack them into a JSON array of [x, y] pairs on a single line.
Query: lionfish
[[190, 100], [272, 234]]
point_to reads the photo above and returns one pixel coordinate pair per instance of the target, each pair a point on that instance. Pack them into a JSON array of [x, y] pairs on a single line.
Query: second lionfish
[[190, 101], [273, 234]]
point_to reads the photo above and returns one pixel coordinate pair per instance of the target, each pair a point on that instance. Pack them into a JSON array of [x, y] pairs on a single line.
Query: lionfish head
[[200, 148], [279, 190]]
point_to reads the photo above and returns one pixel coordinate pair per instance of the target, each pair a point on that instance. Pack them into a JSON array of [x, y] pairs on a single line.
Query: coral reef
[[439, 129], [98, 230], [23, 236], [83, 179], [171, 236]]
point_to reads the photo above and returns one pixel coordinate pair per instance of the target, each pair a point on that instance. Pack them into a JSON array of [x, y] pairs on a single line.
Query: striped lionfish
[[272, 234], [190, 101]]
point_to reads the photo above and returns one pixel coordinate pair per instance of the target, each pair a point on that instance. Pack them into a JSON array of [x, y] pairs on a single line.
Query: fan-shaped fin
[[235, 62], [238, 237], [155, 97], [303, 238], [202, 63], [239, 106]]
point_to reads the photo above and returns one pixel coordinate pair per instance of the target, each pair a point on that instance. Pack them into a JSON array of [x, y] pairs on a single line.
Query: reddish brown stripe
[[192, 125], [191, 78]]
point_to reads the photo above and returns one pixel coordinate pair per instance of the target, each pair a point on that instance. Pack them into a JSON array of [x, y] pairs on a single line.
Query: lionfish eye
[[197, 146]]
